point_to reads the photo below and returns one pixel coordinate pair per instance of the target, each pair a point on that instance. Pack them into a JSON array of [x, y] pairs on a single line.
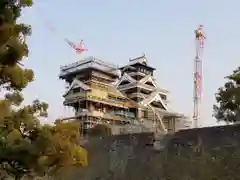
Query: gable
[[149, 83], [148, 80], [128, 67], [155, 96], [77, 89], [124, 82], [77, 86], [157, 104], [125, 79], [141, 60]]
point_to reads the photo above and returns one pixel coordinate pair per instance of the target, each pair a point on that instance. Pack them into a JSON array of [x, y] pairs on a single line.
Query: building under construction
[[126, 99]]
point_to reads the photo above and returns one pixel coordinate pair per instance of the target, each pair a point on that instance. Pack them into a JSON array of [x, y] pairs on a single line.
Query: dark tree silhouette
[[228, 99], [26, 146]]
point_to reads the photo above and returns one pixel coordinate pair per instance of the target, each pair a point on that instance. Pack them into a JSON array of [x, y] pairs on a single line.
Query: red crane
[[78, 48]]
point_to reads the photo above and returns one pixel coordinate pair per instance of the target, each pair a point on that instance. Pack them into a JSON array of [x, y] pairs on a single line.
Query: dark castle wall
[[211, 153], [120, 157], [132, 157], [208, 138]]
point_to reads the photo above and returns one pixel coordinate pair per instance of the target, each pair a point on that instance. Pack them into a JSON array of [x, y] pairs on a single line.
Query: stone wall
[[196, 154], [207, 138], [200, 154], [120, 157]]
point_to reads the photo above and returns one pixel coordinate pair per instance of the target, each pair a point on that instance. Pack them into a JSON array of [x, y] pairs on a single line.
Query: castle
[[125, 99]]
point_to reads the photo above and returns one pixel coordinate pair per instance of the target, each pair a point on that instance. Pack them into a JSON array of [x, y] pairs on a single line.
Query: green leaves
[[34, 148], [15, 77], [13, 47], [25, 3], [15, 98], [228, 99], [26, 146]]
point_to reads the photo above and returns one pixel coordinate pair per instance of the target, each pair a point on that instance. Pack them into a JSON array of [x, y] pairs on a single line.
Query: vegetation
[[228, 99], [26, 146]]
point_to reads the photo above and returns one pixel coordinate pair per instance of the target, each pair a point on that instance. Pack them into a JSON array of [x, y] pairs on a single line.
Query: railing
[[106, 115], [113, 66], [73, 99], [72, 65], [120, 103], [88, 59], [89, 62], [76, 96], [126, 86], [136, 73]]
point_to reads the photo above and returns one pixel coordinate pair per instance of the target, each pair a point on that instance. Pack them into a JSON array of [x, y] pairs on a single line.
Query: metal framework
[[199, 38]]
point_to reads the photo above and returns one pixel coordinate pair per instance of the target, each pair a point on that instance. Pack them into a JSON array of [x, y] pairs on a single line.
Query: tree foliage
[[26, 146], [228, 99], [13, 47]]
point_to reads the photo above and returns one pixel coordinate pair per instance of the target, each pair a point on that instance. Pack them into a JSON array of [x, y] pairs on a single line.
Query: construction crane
[[199, 38], [78, 48]]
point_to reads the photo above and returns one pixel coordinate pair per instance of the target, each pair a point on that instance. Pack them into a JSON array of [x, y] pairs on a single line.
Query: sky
[[115, 31]]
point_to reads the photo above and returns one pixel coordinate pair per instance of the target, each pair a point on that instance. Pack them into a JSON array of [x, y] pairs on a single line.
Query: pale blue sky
[[117, 30]]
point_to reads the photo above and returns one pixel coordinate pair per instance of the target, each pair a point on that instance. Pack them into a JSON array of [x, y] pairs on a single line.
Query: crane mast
[[199, 38]]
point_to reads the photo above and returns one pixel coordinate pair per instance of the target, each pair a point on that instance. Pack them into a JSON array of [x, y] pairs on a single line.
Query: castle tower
[[93, 96], [138, 83]]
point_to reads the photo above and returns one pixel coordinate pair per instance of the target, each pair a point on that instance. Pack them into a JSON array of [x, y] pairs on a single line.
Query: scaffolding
[[96, 63]]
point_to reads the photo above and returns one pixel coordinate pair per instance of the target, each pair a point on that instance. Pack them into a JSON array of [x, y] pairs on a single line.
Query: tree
[[63, 154], [13, 47], [64, 148], [26, 146], [228, 99]]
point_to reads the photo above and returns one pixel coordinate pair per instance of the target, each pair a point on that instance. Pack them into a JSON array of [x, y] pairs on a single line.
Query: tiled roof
[[114, 91]]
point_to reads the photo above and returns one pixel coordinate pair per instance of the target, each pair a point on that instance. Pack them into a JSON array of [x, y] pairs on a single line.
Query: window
[[163, 96], [124, 82], [76, 90], [149, 83], [145, 114]]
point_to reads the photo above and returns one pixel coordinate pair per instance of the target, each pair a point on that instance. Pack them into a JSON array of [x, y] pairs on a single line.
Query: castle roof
[[142, 60], [90, 62]]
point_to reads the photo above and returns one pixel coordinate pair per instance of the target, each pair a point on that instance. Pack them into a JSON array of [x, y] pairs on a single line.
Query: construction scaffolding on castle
[[126, 99]]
